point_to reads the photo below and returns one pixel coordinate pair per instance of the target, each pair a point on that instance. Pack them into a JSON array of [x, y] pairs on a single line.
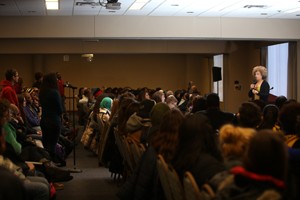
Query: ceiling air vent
[[256, 6]]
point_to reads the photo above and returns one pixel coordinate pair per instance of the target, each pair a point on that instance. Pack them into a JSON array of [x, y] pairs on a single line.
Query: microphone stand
[[74, 170]]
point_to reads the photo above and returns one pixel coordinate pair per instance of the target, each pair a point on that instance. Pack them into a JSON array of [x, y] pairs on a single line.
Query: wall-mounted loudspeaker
[[217, 75]]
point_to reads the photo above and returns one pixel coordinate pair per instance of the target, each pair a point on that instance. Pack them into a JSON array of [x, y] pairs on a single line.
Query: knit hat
[[158, 112], [106, 103], [145, 108]]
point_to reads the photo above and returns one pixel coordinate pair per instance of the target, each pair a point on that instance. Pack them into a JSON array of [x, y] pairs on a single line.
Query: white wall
[[148, 27]]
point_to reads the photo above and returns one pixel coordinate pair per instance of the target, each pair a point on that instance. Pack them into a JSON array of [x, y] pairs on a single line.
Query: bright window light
[[52, 4], [277, 64], [138, 4], [218, 86]]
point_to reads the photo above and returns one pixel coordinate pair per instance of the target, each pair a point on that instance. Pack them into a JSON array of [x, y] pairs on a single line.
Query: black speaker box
[[217, 75]]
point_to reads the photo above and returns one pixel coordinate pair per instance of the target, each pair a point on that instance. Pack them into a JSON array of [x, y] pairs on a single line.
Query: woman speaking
[[260, 89]]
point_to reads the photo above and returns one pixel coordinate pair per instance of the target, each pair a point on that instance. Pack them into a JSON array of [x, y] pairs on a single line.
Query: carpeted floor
[[92, 183]]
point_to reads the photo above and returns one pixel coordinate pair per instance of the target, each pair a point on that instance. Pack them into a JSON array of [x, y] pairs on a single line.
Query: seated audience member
[[290, 124], [198, 104], [99, 115], [31, 114], [249, 115], [105, 108], [156, 116], [159, 96], [169, 92], [21, 148], [233, 142], [280, 101], [216, 117], [144, 184], [127, 108], [12, 183], [171, 101], [183, 101], [270, 118], [263, 173], [83, 107], [36, 188], [143, 94], [198, 150], [140, 122]]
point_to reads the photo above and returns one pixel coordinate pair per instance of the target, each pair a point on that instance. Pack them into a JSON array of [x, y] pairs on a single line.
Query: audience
[[263, 173], [143, 184], [191, 132]]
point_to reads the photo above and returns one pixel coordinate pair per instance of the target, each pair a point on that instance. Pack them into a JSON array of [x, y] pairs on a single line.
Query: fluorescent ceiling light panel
[[52, 4], [138, 4]]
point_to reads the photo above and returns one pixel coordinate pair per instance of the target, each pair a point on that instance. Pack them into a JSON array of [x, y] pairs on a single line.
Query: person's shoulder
[[265, 83]]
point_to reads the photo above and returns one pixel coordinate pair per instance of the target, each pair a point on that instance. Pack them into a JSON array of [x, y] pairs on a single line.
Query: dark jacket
[[144, 182], [263, 93], [203, 169], [217, 117]]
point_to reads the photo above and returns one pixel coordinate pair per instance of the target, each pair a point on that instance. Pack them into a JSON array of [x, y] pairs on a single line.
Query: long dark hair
[[166, 141], [267, 154], [49, 82], [196, 136]]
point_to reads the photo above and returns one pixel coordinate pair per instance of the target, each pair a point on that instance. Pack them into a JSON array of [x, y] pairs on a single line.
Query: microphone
[[271, 88], [68, 85]]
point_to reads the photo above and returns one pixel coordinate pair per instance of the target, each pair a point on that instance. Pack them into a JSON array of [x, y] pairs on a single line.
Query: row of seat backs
[[175, 190], [130, 151]]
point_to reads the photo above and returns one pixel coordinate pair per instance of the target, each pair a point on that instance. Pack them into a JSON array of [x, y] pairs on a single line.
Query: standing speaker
[[217, 75]]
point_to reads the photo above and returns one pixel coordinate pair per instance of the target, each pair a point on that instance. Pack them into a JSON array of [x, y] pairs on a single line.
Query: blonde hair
[[234, 140], [263, 71]]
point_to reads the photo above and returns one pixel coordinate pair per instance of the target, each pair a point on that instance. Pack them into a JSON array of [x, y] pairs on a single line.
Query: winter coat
[[246, 185]]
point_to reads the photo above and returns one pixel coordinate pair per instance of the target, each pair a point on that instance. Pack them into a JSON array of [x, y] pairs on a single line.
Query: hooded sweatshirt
[[8, 92]]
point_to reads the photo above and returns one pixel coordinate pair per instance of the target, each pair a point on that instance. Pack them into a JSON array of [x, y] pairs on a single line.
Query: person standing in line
[[260, 89], [52, 110], [8, 92], [61, 90], [38, 76]]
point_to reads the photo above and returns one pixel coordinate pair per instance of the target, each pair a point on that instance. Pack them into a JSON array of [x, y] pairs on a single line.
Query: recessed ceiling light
[[52, 4]]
